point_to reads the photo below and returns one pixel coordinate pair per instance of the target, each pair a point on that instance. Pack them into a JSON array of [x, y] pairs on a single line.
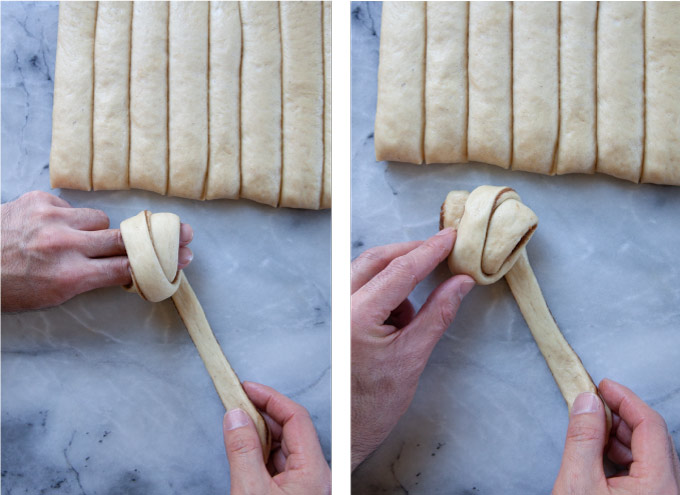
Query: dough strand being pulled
[[494, 227], [152, 245]]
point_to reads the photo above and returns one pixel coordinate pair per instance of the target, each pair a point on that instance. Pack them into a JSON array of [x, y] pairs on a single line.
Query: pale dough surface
[[261, 102], [188, 98], [303, 85], [111, 113], [149, 97], [71, 153], [490, 83], [535, 85], [446, 83], [577, 148], [224, 167], [620, 96], [327, 141], [399, 118], [662, 133]]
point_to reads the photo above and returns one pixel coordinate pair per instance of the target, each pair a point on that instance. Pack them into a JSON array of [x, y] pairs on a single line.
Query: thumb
[[582, 469], [248, 472]]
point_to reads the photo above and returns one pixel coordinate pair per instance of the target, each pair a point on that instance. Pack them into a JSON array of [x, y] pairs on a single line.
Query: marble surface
[[106, 393], [488, 417]]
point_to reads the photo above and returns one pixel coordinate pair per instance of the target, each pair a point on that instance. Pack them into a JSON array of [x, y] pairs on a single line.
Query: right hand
[[390, 342], [639, 442]]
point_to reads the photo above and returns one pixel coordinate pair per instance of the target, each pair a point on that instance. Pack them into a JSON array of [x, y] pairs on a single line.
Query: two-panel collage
[[195, 302]]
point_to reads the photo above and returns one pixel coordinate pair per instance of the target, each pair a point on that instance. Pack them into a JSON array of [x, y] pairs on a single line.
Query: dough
[[224, 163], [493, 228], [149, 97], [490, 83], [620, 97], [111, 112], [188, 98], [71, 153], [302, 84], [261, 102], [327, 141], [446, 83], [399, 117], [577, 143], [535, 85], [152, 245], [662, 111]]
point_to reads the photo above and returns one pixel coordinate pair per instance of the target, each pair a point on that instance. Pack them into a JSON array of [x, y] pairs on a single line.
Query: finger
[[384, 292], [274, 427], [582, 470], [279, 460], [622, 432], [298, 431], [184, 258], [649, 441], [248, 472], [619, 453], [49, 198], [186, 234], [102, 243], [87, 219], [106, 272], [402, 315], [438, 312], [374, 260]]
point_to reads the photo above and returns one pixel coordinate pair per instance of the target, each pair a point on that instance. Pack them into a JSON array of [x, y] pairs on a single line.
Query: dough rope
[[494, 227], [152, 245]]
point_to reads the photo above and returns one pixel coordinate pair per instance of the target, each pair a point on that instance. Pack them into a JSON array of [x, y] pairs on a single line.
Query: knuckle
[[583, 433], [243, 444], [373, 255], [405, 266]]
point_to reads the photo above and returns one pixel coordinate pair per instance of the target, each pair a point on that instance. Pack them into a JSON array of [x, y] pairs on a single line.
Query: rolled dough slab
[[327, 141]]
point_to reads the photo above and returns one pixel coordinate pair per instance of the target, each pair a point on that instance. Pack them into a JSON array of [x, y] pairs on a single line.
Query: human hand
[[52, 252], [390, 342], [639, 442], [296, 464]]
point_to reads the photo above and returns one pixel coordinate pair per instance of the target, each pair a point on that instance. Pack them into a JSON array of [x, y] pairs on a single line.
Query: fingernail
[[236, 418], [185, 257], [585, 403], [446, 231], [465, 287]]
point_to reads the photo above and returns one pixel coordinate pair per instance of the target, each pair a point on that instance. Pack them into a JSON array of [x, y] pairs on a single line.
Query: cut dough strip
[[399, 118], [71, 153], [111, 114], [662, 111], [188, 98], [149, 97], [577, 150], [493, 228], [535, 93], [446, 81], [152, 245], [261, 102], [620, 91], [327, 141], [224, 164], [303, 86], [490, 83]]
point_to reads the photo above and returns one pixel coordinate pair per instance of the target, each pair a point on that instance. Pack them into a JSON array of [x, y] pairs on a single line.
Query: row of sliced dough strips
[[201, 100], [544, 87]]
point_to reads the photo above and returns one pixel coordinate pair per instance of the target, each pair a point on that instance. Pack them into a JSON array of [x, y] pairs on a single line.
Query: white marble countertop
[[106, 393], [488, 417]]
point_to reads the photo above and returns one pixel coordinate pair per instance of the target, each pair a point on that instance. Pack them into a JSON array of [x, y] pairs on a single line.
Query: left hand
[[296, 466]]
